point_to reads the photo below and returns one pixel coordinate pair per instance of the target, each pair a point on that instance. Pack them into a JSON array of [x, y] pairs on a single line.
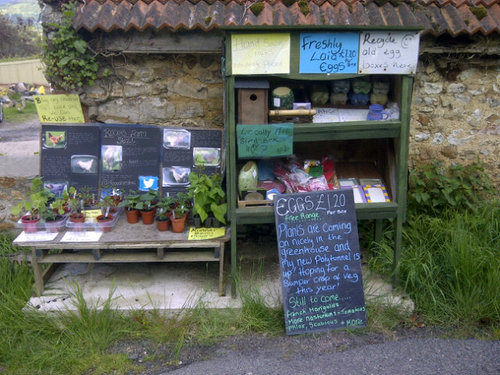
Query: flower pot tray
[[48, 226], [92, 224]]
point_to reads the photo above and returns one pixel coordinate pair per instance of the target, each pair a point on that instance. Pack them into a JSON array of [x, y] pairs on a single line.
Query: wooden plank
[[164, 41], [135, 257]]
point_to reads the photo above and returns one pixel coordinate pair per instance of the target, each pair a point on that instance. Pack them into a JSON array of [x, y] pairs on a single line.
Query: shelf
[[346, 130], [265, 214], [130, 257]]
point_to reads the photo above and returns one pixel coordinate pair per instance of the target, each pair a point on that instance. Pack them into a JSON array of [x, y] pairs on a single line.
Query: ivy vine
[[69, 63]]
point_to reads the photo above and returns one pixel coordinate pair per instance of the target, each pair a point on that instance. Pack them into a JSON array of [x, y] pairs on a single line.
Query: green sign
[[264, 140]]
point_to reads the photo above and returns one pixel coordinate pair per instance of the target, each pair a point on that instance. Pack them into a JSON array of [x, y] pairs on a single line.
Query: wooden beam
[[149, 41]]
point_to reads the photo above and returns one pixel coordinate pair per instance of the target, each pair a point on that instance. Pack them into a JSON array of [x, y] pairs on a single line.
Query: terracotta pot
[[178, 225], [104, 223], [162, 225], [30, 225], [54, 226], [132, 216], [78, 220], [147, 216]]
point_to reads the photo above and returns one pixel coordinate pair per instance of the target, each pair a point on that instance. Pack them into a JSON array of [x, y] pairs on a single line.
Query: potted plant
[[209, 206], [54, 217], [130, 202], [146, 206], [179, 213], [34, 206], [107, 204], [75, 205], [163, 212]]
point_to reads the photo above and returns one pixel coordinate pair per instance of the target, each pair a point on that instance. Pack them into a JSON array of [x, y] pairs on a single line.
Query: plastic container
[[92, 224]]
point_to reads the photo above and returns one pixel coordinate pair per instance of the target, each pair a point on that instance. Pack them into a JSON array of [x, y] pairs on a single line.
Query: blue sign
[[329, 53]]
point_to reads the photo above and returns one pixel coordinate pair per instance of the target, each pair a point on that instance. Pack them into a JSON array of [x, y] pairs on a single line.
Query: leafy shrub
[[434, 188]]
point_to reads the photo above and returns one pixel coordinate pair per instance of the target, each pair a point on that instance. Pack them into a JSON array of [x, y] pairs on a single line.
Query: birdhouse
[[253, 106]]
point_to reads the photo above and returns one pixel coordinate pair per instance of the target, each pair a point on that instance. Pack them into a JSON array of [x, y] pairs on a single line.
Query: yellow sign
[[90, 215], [260, 53], [199, 234], [59, 109]]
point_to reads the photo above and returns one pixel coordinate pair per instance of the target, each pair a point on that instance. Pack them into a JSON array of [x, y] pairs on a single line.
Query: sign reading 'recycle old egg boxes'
[[319, 261], [388, 52], [329, 53]]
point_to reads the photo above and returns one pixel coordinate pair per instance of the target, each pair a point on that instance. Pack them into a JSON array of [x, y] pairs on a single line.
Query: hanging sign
[[264, 140], [260, 53], [319, 261], [59, 109], [388, 52], [329, 53]]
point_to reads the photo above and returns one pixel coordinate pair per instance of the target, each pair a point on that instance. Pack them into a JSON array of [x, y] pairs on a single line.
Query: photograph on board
[[112, 156], [84, 164], [176, 176], [177, 138]]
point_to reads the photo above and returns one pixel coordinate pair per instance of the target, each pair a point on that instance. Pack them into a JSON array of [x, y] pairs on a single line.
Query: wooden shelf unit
[[394, 133]]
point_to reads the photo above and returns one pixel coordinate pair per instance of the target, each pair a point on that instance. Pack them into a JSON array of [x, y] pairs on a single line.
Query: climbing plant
[[69, 62]]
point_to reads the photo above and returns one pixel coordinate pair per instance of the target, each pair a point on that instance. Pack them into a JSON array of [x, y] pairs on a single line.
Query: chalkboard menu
[[130, 157], [69, 157], [320, 261], [186, 150]]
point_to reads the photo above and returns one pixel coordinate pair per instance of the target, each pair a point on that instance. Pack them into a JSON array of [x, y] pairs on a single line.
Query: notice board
[[319, 261], [70, 157], [130, 157], [186, 150]]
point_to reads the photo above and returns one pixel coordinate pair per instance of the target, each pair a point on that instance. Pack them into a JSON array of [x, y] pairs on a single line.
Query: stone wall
[[171, 90], [456, 112]]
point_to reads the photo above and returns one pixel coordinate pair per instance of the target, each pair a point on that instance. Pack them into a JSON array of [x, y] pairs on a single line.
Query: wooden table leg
[[222, 292], [37, 273]]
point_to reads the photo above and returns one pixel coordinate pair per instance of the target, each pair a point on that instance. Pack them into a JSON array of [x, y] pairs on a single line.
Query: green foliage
[[18, 38], [147, 200], [28, 113], [256, 8], [69, 62], [36, 202], [450, 265], [163, 207], [434, 188], [208, 196], [131, 200]]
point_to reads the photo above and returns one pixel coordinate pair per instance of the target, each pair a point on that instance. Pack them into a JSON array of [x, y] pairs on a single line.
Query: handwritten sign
[[260, 53], [264, 140], [59, 109], [320, 261], [200, 234], [388, 52], [329, 53]]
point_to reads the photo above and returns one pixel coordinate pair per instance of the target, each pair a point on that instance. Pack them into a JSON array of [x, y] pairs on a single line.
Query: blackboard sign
[[70, 157], [186, 150], [264, 140], [320, 261], [130, 157]]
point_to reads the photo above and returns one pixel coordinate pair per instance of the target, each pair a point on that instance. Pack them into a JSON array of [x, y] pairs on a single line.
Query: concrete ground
[[168, 287]]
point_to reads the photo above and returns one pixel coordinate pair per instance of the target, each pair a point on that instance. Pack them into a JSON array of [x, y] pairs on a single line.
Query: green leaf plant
[[69, 62], [36, 202], [208, 196]]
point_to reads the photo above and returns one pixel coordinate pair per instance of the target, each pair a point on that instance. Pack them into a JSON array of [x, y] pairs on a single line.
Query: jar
[[376, 112]]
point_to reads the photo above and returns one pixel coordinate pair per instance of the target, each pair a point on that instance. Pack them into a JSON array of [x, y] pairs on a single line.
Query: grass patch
[[11, 114], [452, 268]]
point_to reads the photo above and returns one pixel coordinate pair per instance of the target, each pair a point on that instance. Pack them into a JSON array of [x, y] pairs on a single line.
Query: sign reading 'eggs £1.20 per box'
[[319, 261]]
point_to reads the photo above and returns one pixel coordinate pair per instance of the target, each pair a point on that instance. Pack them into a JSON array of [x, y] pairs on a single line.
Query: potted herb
[[54, 217], [104, 221], [163, 212], [209, 206], [146, 206], [35, 205], [75, 205], [130, 202], [179, 212]]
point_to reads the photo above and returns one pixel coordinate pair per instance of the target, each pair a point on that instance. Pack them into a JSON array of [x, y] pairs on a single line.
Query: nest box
[[253, 102]]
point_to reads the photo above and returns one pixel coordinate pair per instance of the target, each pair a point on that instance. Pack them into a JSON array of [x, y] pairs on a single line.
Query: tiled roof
[[437, 17]]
